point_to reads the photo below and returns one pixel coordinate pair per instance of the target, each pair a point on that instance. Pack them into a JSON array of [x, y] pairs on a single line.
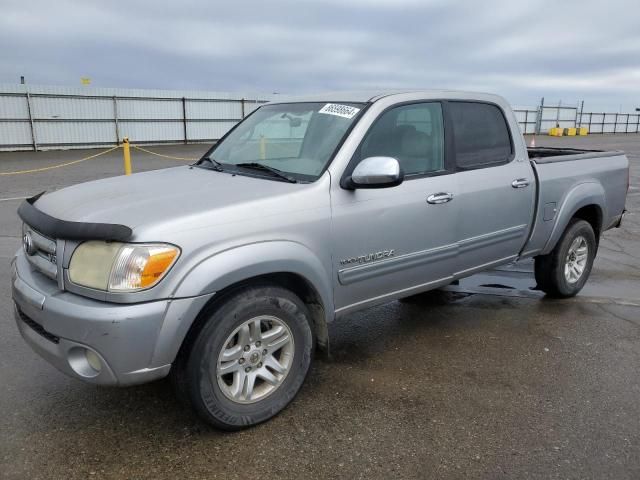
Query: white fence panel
[[596, 123], [65, 134], [141, 109], [202, 109], [526, 119], [609, 125], [15, 136], [152, 132], [621, 124], [250, 106], [14, 107], [73, 108], [203, 131]]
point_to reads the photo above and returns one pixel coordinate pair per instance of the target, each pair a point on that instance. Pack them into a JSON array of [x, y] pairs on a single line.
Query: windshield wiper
[[265, 168], [215, 165]]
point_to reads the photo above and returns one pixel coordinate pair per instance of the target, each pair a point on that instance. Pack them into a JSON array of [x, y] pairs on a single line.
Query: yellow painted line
[[11, 199]]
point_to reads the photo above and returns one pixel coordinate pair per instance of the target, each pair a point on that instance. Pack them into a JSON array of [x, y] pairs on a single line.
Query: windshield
[[297, 139]]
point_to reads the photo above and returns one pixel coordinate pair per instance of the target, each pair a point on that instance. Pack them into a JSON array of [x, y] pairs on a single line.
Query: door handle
[[520, 183], [442, 197]]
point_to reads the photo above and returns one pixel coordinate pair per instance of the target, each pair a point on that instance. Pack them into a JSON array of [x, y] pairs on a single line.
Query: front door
[[392, 242]]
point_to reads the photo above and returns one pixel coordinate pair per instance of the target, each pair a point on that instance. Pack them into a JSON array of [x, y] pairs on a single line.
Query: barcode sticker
[[344, 111]]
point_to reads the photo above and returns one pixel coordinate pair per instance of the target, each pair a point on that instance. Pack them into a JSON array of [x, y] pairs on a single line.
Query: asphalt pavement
[[486, 380]]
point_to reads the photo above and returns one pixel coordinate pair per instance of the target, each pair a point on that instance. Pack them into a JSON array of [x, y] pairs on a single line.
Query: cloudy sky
[[561, 49]]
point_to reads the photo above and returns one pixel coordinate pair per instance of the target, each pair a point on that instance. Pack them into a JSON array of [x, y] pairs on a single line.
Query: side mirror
[[376, 172]]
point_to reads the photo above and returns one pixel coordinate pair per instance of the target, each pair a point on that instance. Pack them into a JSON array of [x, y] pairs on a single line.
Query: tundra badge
[[370, 257]]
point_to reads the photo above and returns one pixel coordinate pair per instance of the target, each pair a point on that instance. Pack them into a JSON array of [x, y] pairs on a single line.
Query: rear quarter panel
[[571, 185]]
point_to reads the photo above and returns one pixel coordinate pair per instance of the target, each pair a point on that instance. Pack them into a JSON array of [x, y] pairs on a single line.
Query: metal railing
[[611, 122], [43, 120], [52, 117], [540, 120]]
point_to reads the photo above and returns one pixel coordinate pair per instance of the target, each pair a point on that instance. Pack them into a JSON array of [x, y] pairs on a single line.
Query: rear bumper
[[135, 343]]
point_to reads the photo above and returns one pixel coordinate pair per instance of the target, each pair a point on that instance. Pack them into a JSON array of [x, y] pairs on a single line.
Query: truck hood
[[178, 197]]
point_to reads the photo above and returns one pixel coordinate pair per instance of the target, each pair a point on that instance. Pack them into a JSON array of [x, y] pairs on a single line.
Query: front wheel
[[249, 359], [563, 272]]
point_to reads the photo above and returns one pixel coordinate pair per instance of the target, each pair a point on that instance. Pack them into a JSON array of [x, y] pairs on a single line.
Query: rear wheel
[[249, 359], [563, 272]]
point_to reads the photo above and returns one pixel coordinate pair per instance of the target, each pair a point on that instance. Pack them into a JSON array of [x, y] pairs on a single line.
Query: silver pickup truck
[[225, 273]]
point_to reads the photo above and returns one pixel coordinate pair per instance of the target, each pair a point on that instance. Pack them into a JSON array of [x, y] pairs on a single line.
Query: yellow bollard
[[126, 154], [263, 148]]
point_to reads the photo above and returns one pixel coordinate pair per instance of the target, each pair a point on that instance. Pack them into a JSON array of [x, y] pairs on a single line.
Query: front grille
[[36, 327], [43, 252]]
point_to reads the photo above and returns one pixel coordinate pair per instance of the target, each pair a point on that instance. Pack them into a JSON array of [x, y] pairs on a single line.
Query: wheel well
[[305, 290], [291, 281], [593, 215]]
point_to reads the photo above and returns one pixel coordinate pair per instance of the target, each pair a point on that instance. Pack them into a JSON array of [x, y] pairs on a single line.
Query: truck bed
[[569, 178], [552, 155]]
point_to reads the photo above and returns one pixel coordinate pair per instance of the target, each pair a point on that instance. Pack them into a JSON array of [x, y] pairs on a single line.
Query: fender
[[228, 267], [581, 195], [225, 268]]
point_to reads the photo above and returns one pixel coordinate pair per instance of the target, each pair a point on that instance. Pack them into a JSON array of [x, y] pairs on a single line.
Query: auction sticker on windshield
[[344, 111]]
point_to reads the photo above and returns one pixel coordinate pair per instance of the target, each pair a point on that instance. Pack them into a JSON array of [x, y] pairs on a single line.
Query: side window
[[481, 135], [412, 134]]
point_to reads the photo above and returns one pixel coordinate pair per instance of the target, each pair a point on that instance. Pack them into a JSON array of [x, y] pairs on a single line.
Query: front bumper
[[135, 343]]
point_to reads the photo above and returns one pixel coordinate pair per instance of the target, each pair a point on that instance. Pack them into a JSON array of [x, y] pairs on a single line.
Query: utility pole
[[536, 131], [581, 110]]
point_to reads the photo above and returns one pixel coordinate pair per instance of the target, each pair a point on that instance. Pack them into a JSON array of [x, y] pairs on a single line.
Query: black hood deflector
[[66, 230]]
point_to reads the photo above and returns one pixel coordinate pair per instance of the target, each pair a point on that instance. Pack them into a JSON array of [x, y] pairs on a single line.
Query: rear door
[[496, 188]]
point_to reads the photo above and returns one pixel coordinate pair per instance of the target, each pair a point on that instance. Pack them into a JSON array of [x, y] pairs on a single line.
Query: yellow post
[[126, 153], [263, 148]]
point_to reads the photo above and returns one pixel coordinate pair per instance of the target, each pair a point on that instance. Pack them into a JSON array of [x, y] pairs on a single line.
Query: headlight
[[121, 267]]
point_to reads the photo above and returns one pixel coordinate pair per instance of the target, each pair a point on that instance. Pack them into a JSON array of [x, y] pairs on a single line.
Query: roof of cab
[[366, 96]]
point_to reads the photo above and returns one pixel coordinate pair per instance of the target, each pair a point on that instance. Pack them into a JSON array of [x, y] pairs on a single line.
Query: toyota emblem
[[27, 244]]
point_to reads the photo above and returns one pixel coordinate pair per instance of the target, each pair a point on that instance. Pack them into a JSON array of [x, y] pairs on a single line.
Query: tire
[[554, 272], [214, 384]]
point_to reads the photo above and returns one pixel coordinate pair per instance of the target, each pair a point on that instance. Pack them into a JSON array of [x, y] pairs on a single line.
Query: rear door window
[[481, 135]]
